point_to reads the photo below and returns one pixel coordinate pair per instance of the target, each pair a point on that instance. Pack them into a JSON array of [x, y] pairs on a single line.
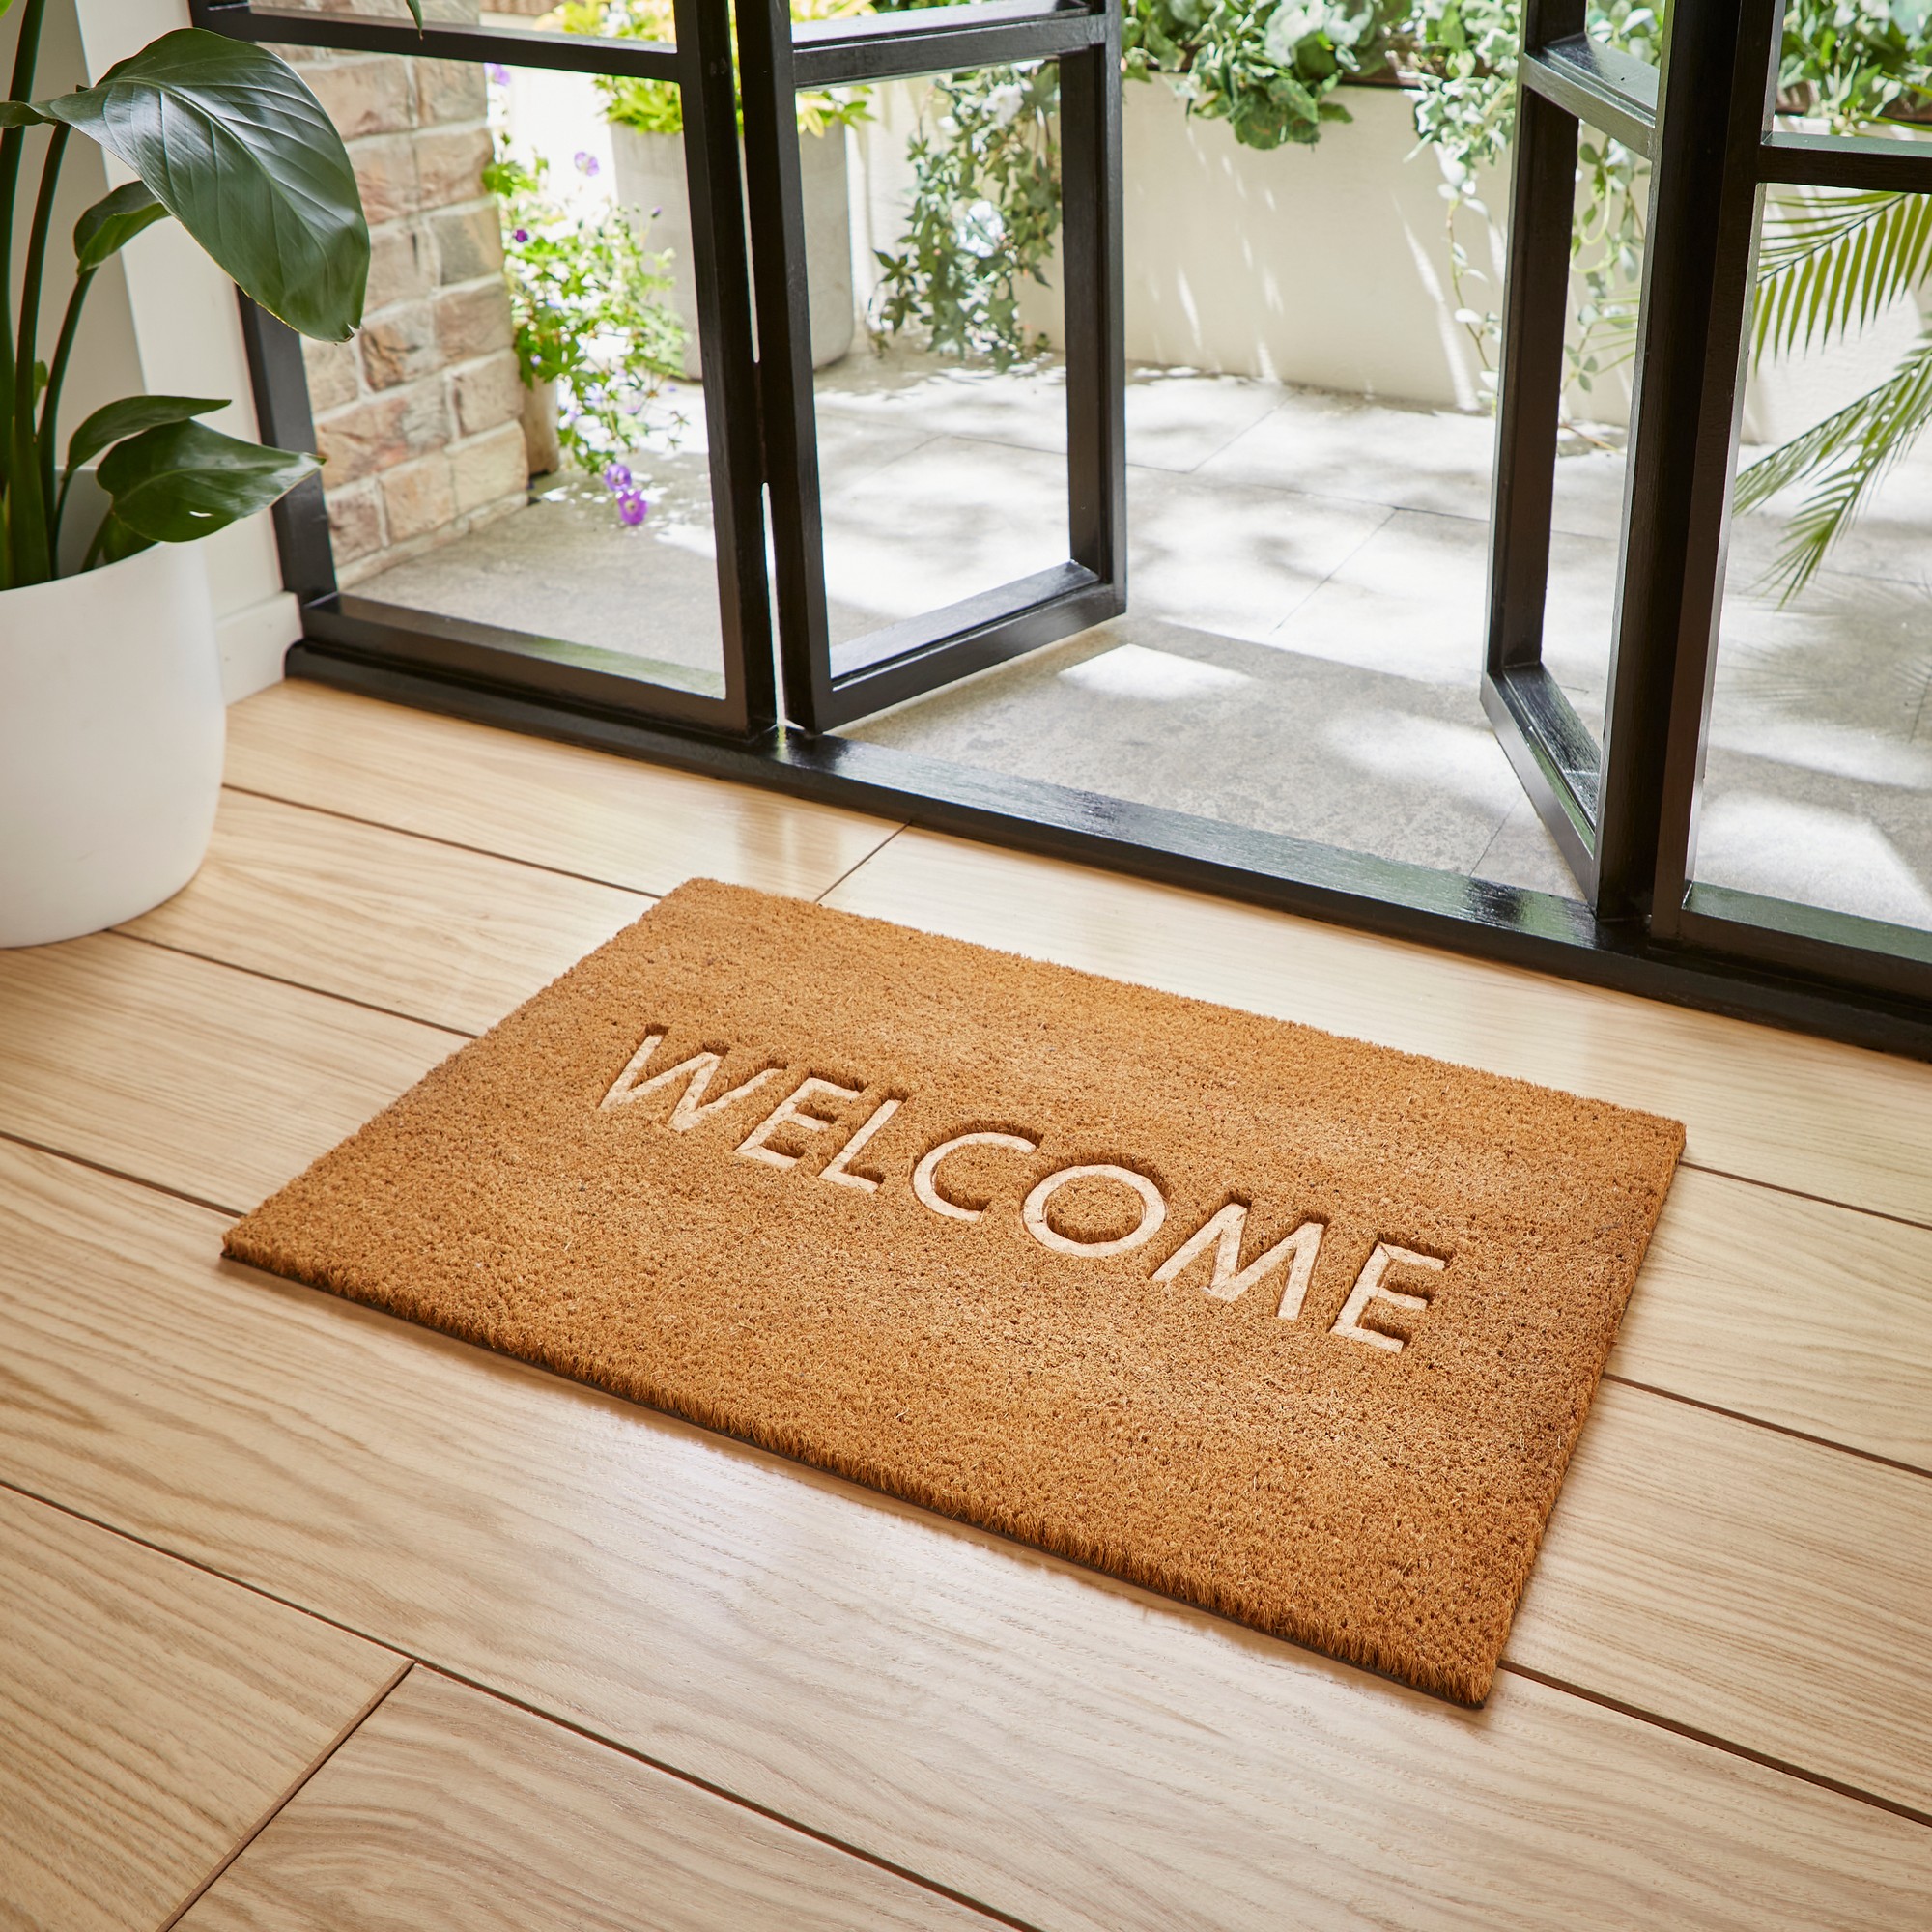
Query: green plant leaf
[[130, 416], [184, 480], [232, 143], [1844, 457], [115, 540], [112, 223], [1832, 262], [17, 114]]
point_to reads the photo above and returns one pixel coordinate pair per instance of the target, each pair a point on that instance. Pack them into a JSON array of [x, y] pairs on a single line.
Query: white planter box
[[649, 172], [111, 734], [1324, 265]]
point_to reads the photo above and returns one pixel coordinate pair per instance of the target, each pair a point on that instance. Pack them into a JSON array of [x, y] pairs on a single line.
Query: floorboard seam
[[287, 1797], [409, 1659], [121, 1173], [1765, 1422], [744, 1804], [1803, 1194], [1552, 1681], [819, 898], [280, 980], [449, 844]]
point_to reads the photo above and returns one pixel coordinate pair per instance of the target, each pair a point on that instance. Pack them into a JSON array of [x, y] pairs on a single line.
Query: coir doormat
[[1298, 1330]]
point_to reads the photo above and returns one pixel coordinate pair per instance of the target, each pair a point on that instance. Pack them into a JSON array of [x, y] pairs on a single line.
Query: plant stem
[[26, 55], [27, 510], [50, 410]]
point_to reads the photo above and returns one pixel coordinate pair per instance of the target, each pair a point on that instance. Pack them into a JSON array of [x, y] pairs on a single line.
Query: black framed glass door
[[529, 642], [831, 680], [1625, 803], [759, 408], [805, 643]]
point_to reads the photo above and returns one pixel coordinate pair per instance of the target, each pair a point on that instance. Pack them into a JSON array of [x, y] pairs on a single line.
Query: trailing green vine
[[984, 212]]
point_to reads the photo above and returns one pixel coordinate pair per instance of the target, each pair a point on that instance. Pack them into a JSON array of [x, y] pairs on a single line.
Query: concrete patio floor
[[1307, 582]]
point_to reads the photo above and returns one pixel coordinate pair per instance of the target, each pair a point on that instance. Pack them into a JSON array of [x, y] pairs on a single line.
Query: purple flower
[[632, 509], [521, 234], [497, 73], [585, 161], [616, 476]]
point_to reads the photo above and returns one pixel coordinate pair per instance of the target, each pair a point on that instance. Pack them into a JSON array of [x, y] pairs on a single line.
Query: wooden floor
[[309, 1618]]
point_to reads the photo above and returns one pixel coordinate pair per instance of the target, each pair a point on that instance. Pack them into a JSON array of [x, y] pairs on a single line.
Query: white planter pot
[[111, 733], [649, 171]]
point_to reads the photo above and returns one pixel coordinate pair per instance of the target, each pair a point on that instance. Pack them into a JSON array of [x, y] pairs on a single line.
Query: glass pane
[[1606, 283], [511, 440], [931, 216], [1818, 775], [1310, 461]]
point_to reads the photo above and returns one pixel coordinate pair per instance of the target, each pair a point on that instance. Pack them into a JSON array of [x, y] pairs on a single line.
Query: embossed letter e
[[696, 1073]]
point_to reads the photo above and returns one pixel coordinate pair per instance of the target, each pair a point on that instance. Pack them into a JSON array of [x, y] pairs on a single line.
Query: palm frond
[[1834, 262], [1848, 453]]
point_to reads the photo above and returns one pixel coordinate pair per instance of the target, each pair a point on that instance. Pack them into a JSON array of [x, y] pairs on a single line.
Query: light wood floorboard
[[1809, 1315], [1800, 1113], [1806, 1314], [213, 1082], [450, 1811], [149, 1716], [1746, 1584], [453, 937], [1641, 1533], [609, 818], [1052, 1744]]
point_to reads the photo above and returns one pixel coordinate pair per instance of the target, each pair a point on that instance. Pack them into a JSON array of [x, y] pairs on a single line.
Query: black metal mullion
[[1867, 161], [1683, 422], [708, 94], [284, 419], [436, 39], [1094, 320], [944, 39], [1532, 719], [790, 406], [1611, 90]]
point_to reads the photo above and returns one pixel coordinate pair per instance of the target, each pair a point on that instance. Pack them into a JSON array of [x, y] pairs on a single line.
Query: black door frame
[[366, 630], [827, 686], [1626, 818], [1625, 814]]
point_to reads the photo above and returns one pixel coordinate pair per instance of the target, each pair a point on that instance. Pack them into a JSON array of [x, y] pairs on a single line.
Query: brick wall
[[418, 419]]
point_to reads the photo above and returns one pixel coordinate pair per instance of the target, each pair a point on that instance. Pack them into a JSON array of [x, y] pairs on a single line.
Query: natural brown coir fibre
[[1341, 1414]]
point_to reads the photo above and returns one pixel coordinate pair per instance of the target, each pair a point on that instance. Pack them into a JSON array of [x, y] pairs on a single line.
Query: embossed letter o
[[1153, 1212]]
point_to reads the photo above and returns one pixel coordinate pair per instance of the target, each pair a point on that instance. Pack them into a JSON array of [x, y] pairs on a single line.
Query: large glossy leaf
[[130, 416], [18, 113], [116, 540], [231, 142], [184, 480], [112, 223]]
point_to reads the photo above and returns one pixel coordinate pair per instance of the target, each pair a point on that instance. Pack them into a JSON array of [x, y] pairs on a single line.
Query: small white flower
[[1003, 102], [978, 229]]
